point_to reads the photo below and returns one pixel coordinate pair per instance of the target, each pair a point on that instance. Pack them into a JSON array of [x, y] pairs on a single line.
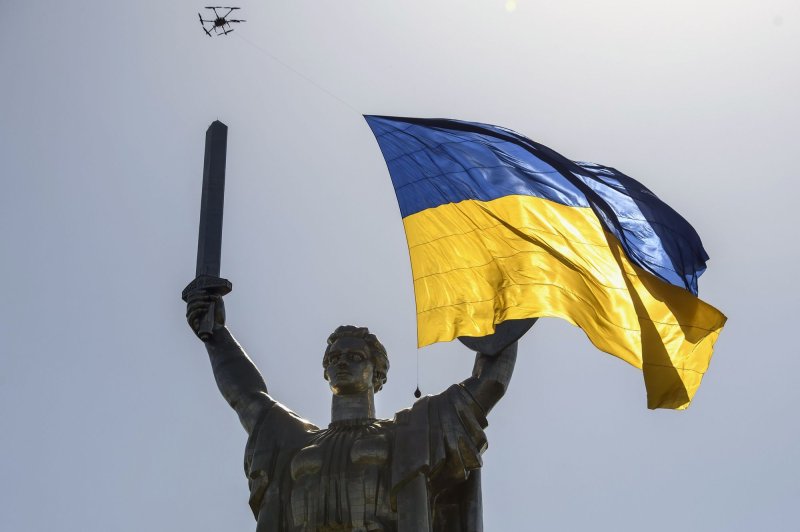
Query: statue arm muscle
[[238, 379]]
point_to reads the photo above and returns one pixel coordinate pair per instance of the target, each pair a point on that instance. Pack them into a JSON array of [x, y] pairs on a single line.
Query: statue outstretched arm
[[237, 377], [491, 376], [494, 363]]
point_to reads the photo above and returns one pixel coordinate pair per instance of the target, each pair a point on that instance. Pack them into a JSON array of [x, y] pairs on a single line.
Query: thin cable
[[417, 392], [298, 73]]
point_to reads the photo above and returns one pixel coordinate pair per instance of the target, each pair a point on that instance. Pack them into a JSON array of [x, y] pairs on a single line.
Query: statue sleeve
[[277, 433], [443, 437]]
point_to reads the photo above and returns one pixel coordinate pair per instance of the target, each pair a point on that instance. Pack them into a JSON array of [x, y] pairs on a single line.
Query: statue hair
[[380, 360]]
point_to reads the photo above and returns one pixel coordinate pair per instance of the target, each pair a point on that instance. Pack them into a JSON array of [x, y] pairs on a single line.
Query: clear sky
[[109, 416]]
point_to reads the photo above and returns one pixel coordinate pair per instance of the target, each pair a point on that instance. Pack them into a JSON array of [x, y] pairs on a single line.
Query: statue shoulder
[[456, 398], [278, 417], [277, 435], [277, 429]]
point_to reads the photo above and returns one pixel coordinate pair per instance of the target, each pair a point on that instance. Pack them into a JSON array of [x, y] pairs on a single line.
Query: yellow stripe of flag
[[477, 263]]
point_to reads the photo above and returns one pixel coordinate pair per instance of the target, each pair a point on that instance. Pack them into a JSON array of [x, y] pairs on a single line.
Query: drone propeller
[[237, 21], [202, 23]]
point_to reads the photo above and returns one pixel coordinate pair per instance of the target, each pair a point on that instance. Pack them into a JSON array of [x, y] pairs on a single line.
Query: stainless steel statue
[[418, 472]]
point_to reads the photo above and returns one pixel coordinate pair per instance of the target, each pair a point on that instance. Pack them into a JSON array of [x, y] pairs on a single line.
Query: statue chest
[[340, 480]]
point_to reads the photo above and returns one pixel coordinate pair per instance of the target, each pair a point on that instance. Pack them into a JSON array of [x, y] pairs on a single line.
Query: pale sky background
[[109, 416]]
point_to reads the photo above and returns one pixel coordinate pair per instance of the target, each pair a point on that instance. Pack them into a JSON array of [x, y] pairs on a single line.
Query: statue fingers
[[204, 299], [198, 304], [194, 319], [202, 306], [195, 313], [199, 296]]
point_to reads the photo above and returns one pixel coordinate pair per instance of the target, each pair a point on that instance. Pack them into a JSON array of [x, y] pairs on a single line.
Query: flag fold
[[500, 227]]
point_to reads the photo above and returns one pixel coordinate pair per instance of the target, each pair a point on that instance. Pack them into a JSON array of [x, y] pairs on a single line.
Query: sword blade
[[209, 241]]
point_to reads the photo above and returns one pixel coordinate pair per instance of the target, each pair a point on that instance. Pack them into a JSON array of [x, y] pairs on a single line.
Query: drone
[[220, 24]]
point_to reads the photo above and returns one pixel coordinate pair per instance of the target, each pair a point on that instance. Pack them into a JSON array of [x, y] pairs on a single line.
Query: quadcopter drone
[[220, 24]]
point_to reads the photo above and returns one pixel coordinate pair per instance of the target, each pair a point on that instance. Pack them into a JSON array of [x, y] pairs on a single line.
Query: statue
[[417, 472]]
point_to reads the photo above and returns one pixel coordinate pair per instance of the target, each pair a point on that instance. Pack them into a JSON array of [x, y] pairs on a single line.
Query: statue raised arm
[[238, 379]]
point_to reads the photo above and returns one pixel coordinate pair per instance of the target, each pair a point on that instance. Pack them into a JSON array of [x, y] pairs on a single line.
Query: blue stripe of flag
[[437, 161]]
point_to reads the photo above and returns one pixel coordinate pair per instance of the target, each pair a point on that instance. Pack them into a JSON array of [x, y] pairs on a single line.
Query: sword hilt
[[211, 285]]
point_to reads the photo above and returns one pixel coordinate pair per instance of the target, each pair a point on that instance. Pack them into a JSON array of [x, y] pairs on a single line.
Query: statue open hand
[[205, 314]]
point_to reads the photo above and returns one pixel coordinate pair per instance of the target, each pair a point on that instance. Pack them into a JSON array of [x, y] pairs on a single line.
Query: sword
[[209, 241]]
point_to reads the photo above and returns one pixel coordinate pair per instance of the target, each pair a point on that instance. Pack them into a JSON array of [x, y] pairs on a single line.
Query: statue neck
[[353, 406]]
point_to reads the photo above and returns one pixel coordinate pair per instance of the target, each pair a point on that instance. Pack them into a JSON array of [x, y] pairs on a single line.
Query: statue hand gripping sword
[[209, 242]]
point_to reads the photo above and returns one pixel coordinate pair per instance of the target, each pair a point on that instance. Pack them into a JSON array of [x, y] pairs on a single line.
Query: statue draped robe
[[347, 477]]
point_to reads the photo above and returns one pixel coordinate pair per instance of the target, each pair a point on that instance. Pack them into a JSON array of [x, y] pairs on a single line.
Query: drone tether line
[[296, 72]]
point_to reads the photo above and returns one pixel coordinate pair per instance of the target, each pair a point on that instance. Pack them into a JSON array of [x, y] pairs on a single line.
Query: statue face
[[350, 369]]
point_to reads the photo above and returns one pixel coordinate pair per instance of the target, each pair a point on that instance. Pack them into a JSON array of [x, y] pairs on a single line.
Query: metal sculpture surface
[[417, 472]]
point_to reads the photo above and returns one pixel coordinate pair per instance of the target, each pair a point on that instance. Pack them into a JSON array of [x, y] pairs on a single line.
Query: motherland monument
[[417, 472]]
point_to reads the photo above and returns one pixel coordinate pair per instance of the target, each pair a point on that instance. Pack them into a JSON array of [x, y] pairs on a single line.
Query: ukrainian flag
[[500, 227]]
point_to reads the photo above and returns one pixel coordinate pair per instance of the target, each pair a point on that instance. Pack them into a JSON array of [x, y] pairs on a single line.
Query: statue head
[[354, 361]]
